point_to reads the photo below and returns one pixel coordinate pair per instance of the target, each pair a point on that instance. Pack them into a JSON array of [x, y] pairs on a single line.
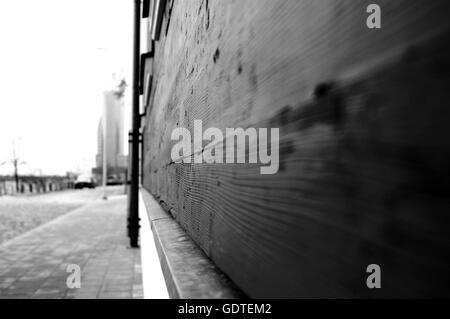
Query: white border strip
[[153, 281]]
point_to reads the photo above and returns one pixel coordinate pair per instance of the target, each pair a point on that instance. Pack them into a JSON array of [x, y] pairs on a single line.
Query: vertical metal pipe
[[105, 145], [133, 216]]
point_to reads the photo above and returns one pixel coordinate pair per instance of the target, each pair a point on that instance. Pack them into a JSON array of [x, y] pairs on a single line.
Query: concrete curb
[[188, 272]]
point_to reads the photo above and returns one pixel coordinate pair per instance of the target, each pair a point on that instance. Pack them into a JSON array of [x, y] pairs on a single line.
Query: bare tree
[[15, 161]]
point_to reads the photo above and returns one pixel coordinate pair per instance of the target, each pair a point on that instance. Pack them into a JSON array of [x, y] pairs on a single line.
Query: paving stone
[[34, 265], [116, 295]]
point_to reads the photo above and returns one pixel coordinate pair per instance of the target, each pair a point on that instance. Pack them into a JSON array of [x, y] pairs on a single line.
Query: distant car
[[84, 181], [113, 180]]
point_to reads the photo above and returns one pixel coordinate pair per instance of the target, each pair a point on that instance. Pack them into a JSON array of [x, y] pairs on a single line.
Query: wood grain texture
[[364, 144], [188, 272]]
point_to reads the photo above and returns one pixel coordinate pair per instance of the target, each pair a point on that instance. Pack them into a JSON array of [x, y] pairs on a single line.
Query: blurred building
[[116, 160]]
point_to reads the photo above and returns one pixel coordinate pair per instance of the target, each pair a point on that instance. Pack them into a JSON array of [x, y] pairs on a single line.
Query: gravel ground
[[19, 214]]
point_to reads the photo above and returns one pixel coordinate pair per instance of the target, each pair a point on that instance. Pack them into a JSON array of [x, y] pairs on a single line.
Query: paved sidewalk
[[34, 265]]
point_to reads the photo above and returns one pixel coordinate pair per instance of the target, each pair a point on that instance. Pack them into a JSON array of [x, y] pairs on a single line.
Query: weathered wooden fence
[[364, 144]]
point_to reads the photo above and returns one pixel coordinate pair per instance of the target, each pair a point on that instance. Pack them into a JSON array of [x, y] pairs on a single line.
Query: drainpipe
[[133, 214]]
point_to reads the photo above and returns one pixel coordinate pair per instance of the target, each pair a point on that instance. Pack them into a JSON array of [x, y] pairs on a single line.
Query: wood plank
[[363, 117], [188, 272]]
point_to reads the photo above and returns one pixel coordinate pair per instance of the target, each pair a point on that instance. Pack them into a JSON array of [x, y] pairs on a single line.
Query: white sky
[[53, 74]]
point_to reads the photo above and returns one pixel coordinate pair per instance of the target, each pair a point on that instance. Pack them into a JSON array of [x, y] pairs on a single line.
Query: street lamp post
[[133, 214], [105, 163]]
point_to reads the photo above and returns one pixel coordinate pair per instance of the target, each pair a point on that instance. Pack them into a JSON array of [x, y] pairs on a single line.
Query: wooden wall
[[364, 142]]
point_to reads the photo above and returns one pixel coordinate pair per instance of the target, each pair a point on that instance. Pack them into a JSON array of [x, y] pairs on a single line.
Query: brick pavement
[[34, 265]]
